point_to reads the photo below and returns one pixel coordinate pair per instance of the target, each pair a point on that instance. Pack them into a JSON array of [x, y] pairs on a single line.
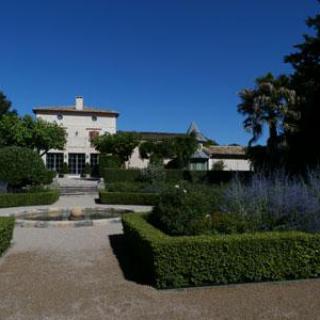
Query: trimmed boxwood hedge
[[171, 262], [134, 198], [111, 175], [6, 232], [28, 199]]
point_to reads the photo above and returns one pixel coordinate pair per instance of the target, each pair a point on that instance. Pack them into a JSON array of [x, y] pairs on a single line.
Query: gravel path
[[72, 273]]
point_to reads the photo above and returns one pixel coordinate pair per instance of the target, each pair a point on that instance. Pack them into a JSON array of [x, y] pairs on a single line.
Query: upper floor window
[[60, 116], [92, 136], [94, 118]]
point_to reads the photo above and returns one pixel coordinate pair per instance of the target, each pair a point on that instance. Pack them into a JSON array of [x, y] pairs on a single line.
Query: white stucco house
[[83, 123]]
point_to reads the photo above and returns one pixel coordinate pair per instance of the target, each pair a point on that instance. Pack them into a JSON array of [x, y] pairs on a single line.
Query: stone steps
[[64, 190]]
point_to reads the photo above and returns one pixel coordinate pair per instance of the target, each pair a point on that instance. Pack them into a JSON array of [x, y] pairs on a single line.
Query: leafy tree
[[156, 151], [20, 167], [36, 134], [180, 149], [271, 103], [5, 105], [303, 144], [120, 145], [210, 142]]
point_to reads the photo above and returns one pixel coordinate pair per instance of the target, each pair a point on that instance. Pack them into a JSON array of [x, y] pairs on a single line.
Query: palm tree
[[270, 103]]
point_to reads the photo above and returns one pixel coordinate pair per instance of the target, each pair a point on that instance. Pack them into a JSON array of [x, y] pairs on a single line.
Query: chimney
[[79, 103]]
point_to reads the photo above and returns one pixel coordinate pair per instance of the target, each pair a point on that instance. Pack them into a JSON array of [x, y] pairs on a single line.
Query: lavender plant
[[276, 202]]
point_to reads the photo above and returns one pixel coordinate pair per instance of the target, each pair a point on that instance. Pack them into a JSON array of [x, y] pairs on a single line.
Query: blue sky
[[161, 64]]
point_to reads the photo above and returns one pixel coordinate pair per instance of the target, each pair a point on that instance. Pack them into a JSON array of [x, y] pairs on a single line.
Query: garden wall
[[171, 262]]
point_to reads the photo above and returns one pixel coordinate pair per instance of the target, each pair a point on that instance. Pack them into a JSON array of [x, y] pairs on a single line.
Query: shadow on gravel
[[131, 270]]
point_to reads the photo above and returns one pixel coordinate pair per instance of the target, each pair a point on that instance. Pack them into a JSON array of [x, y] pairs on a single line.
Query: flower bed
[[134, 198], [6, 232], [28, 199], [186, 261]]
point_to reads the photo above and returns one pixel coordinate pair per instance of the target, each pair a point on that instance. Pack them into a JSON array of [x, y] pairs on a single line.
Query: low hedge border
[[172, 262], [28, 199], [134, 198], [6, 232]]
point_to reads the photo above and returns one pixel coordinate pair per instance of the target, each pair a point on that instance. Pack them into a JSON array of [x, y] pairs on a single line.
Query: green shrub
[[107, 161], [202, 260], [181, 212], [153, 174], [133, 198], [6, 232], [22, 166], [28, 199], [120, 175]]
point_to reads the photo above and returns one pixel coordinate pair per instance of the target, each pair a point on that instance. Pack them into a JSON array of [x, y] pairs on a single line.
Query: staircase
[[77, 186], [65, 190]]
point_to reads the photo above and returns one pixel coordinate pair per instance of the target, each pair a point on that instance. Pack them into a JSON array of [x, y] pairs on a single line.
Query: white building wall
[[78, 127], [232, 164], [135, 160]]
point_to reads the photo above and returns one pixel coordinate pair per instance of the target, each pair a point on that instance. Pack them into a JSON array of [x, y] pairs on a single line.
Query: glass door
[[77, 163]]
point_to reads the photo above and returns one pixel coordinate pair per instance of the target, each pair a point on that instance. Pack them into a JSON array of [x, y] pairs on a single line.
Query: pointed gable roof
[[195, 130]]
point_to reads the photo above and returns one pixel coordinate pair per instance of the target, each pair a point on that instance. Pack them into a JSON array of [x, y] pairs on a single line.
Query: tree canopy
[[5, 105], [35, 134], [305, 80], [179, 149], [120, 145]]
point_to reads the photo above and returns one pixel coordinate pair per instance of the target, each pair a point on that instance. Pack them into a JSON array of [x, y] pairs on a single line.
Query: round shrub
[[20, 167], [180, 212]]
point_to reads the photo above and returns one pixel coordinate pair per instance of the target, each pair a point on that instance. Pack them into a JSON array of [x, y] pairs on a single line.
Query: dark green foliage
[[111, 175], [303, 150], [180, 148], [218, 166], [22, 166], [153, 174], [134, 198], [120, 175], [65, 168], [28, 199], [120, 145], [202, 260], [5, 105], [6, 232], [87, 169], [28, 132], [182, 212]]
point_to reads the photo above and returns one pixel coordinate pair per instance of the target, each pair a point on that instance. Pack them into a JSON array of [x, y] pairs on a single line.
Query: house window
[[94, 118], [60, 116], [54, 161], [92, 136]]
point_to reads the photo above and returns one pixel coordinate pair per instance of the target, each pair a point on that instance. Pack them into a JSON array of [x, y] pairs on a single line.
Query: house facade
[[83, 124]]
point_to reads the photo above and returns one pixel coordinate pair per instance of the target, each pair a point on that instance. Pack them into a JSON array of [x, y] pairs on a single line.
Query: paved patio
[[74, 273]]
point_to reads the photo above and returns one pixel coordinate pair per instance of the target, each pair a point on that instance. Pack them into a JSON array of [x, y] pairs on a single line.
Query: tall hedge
[[111, 175], [134, 198], [28, 199], [202, 260], [6, 232]]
